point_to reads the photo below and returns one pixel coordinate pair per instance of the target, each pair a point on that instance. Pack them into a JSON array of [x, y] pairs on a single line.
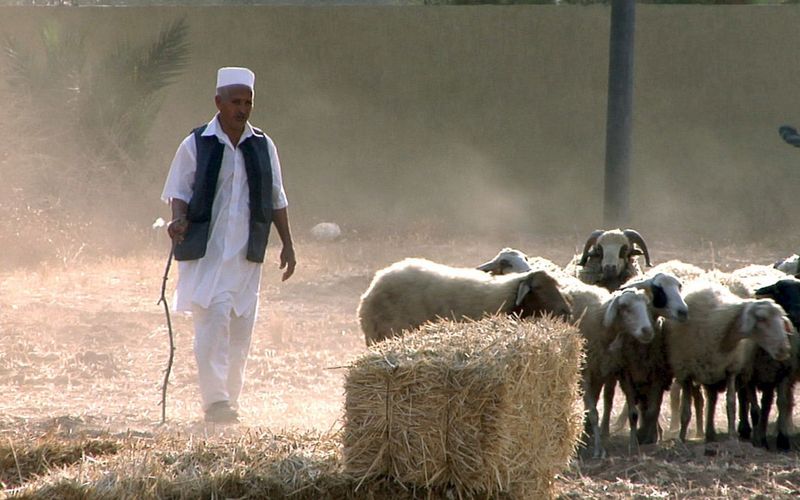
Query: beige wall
[[494, 115]]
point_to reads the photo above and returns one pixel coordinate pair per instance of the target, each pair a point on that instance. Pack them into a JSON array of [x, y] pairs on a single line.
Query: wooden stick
[[163, 300]]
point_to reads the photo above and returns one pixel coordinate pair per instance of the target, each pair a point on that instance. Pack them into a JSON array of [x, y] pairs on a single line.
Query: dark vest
[[259, 182]]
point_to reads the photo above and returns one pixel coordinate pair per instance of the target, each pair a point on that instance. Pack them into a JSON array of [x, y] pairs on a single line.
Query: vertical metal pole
[[619, 114]]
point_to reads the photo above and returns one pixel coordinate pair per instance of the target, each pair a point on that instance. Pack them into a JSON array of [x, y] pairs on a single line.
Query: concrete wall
[[493, 116]]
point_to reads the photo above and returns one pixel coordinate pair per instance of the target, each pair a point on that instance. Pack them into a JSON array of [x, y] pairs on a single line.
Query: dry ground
[[83, 347]]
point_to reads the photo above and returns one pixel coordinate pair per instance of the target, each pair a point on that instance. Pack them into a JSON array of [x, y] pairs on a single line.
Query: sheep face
[[789, 265], [538, 294], [628, 308], [507, 261], [665, 291], [787, 294], [765, 323], [615, 249]]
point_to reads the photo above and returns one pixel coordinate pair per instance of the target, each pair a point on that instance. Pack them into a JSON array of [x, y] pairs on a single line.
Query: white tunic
[[224, 271]]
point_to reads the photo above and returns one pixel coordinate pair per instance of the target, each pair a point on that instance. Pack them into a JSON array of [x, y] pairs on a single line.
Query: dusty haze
[[443, 133], [475, 119]]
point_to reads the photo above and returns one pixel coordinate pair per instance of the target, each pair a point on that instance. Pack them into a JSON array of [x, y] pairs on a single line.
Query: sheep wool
[[694, 347], [413, 291]]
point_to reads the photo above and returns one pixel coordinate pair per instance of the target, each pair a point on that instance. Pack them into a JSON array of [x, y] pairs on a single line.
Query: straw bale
[[482, 408]]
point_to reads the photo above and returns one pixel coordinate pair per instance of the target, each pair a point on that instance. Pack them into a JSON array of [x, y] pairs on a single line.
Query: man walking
[[225, 190]]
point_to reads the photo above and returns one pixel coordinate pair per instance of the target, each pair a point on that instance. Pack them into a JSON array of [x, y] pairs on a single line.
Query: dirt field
[[83, 347]]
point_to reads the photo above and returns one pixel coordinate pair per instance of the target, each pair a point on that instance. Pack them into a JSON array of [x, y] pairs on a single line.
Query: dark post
[[619, 114]]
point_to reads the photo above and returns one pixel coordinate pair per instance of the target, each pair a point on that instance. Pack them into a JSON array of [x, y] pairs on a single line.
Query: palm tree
[[111, 104]]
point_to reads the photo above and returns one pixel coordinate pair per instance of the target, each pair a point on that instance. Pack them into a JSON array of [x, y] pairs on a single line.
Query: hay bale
[[483, 408]]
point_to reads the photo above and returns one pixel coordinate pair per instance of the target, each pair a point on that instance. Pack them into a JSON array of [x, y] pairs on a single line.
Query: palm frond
[[133, 73], [20, 62], [65, 56], [165, 60], [114, 101]]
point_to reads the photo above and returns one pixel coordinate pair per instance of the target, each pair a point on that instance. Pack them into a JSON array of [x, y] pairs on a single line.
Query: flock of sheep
[[672, 328]]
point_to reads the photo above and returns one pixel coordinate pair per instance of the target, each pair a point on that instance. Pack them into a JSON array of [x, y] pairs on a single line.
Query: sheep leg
[[591, 394], [633, 414], [608, 402], [674, 406], [686, 408], [697, 396], [633, 419], [760, 432], [730, 404], [743, 392], [755, 409], [649, 430], [785, 406], [711, 406]]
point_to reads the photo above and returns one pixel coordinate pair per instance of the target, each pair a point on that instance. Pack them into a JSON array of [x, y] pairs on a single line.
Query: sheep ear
[[523, 290], [747, 319], [787, 326], [611, 312], [768, 290], [491, 267], [659, 297]]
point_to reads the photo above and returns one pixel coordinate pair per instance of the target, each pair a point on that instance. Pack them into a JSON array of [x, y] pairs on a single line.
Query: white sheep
[[605, 317], [511, 260], [664, 290], [770, 376], [644, 376], [756, 276], [609, 258], [742, 282], [643, 379], [684, 271], [709, 348], [689, 272], [648, 375], [736, 281], [729, 281], [411, 292], [789, 265]]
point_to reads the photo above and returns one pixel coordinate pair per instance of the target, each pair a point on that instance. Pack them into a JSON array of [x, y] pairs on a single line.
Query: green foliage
[[57, 76], [123, 99], [76, 119], [109, 104]]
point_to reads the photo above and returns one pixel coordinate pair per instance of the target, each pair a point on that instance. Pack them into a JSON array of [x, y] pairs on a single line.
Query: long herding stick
[[163, 300]]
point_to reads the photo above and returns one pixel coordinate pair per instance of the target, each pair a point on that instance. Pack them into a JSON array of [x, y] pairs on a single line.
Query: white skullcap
[[235, 76]]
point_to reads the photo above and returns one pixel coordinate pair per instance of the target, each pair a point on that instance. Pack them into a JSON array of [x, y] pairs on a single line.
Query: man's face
[[234, 103]]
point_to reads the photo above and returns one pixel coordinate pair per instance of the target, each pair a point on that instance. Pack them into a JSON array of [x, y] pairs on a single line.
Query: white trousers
[[221, 344]]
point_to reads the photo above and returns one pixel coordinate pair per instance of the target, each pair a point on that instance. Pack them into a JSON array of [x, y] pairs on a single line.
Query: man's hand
[[177, 229], [288, 261]]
